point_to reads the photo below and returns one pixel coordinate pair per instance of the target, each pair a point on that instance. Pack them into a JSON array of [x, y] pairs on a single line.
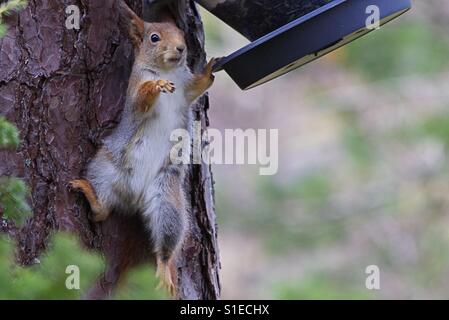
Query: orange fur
[[201, 82], [167, 274], [100, 213], [149, 91], [136, 25]]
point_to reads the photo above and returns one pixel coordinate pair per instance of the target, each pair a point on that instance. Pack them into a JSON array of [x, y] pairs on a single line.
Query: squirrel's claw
[[165, 86], [165, 278], [74, 185], [208, 69], [210, 65]]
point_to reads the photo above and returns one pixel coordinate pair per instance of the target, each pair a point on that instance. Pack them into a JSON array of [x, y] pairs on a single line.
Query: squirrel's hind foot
[[167, 275], [99, 212]]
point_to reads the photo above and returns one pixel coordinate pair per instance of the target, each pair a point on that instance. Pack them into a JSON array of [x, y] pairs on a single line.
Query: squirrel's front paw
[[208, 69], [165, 86]]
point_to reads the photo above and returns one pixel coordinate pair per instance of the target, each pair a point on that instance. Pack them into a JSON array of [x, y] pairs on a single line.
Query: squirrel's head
[[162, 47], [159, 45]]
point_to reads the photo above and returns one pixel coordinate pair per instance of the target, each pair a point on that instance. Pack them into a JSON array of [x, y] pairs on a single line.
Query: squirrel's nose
[[181, 48]]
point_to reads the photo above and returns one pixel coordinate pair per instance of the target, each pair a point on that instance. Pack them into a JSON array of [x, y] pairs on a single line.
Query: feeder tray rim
[[277, 32]]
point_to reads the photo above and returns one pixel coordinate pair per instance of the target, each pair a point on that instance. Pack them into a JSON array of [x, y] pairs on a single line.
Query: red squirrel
[[132, 171]]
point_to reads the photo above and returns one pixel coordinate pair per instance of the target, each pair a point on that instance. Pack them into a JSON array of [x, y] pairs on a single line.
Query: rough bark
[[64, 89]]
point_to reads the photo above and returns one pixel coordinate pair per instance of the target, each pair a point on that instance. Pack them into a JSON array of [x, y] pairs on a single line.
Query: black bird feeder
[[287, 34]]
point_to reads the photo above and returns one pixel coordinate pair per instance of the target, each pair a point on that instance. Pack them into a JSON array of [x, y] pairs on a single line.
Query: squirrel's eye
[[155, 38]]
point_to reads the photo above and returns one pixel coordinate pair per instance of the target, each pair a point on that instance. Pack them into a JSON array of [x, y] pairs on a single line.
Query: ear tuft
[[135, 25]]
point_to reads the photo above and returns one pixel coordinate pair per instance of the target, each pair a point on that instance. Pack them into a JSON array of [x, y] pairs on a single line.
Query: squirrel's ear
[[134, 24]]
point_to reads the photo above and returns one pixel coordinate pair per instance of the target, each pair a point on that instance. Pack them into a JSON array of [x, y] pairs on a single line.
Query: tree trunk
[[64, 89]]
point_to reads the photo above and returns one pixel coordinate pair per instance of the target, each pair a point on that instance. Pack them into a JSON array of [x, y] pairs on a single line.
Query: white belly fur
[[148, 154]]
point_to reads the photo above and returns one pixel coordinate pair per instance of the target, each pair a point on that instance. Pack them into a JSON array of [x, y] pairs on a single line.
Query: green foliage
[[140, 285], [13, 192], [398, 49], [12, 199], [7, 8], [47, 279], [9, 136], [2, 29], [11, 6]]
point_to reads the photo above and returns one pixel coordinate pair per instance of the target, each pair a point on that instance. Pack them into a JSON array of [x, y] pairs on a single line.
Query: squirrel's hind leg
[[167, 274], [167, 218], [100, 212], [97, 185]]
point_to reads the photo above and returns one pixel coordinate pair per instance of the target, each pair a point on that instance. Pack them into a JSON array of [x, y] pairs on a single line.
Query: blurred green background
[[363, 169], [363, 177]]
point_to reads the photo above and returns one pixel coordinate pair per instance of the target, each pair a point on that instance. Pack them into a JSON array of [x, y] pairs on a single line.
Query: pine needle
[[12, 5], [7, 8]]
